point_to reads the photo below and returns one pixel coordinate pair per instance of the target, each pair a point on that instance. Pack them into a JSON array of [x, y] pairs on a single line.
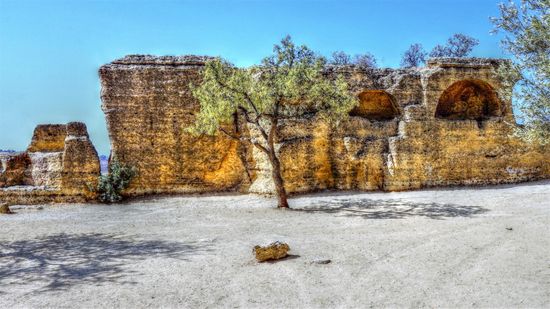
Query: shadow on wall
[[392, 209], [469, 99], [60, 261]]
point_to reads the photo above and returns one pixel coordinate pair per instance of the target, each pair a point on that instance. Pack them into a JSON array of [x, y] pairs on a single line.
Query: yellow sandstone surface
[[61, 165], [440, 125], [148, 106], [274, 251]]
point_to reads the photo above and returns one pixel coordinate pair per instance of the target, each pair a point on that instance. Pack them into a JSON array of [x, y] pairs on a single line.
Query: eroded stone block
[[60, 165], [274, 251], [16, 171]]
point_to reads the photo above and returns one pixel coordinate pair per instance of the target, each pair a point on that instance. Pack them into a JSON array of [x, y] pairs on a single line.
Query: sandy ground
[[487, 247]]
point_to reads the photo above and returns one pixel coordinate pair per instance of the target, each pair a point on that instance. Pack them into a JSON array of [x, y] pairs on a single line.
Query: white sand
[[436, 248]]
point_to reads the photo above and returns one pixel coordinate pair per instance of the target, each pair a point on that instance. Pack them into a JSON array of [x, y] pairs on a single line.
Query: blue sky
[[50, 51]]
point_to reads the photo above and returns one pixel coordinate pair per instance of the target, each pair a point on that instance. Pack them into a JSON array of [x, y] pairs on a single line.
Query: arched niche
[[469, 99], [376, 105]]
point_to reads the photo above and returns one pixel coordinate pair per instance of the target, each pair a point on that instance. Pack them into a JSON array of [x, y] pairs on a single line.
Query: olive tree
[[283, 87], [527, 37]]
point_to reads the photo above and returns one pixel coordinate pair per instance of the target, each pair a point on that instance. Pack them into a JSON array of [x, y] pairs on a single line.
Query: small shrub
[[110, 186]]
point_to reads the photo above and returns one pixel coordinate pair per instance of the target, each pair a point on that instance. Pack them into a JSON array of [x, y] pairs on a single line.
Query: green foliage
[[110, 186], [284, 86], [287, 85], [527, 38]]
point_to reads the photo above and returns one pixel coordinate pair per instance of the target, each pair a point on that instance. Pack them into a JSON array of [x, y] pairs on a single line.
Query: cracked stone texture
[[60, 164], [15, 170], [148, 105], [394, 140], [274, 251]]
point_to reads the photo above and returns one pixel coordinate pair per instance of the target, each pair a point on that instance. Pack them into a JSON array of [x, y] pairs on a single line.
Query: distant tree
[[439, 51], [527, 30], [365, 61], [282, 87], [459, 45], [340, 58], [415, 56]]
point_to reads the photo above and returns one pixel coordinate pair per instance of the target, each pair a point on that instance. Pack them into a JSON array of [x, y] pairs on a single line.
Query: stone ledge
[[27, 188], [191, 60], [472, 62]]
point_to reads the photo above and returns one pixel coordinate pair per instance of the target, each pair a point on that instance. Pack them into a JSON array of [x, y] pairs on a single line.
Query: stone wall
[[58, 166], [148, 106], [434, 126]]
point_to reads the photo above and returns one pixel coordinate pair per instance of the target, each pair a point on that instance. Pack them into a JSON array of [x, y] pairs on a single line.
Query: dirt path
[[488, 247]]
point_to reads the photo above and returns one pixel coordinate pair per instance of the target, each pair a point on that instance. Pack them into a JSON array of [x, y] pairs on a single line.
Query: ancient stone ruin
[[440, 125], [59, 165]]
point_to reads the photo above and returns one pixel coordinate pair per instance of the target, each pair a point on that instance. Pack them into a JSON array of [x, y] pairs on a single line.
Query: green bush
[[111, 185]]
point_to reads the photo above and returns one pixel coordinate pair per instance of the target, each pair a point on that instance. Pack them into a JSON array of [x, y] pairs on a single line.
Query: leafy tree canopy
[[286, 85], [527, 37]]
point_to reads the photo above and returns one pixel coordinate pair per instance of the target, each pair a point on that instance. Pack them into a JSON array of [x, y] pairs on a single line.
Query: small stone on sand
[[274, 251], [321, 261], [5, 209]]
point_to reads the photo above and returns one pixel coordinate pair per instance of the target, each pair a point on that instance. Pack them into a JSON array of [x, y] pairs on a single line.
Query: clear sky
[[50, 51]]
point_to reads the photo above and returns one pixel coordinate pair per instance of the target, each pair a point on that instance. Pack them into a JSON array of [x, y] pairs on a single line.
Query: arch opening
[[468, 99], [375, 105]]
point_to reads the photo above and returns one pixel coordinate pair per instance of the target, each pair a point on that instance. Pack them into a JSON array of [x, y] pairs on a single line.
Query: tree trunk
[[278, 180]]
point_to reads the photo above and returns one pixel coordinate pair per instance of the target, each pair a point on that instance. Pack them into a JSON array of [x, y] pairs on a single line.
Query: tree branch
[[262, 148], [274, 122], [229, 134], [243, 93], [254, 122]]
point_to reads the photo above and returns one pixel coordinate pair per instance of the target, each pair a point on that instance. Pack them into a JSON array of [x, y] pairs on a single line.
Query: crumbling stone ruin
[[148, 106], [60, 165], [440, 125]]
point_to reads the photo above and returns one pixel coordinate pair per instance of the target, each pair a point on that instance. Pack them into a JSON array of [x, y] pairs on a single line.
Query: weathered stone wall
[[15, 170], [473, 146], [435, 126], [148, 106], [59, 165]]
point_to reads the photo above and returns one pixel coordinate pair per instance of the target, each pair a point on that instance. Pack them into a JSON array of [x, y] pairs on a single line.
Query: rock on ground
[[274, 251], [4, 209]]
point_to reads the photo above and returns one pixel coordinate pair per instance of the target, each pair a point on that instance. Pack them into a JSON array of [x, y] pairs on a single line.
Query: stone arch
[[469, 99], [376, 105]]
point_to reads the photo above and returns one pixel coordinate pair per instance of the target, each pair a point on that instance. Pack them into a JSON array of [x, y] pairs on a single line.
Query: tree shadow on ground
[[392, 209], [60, 261]]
